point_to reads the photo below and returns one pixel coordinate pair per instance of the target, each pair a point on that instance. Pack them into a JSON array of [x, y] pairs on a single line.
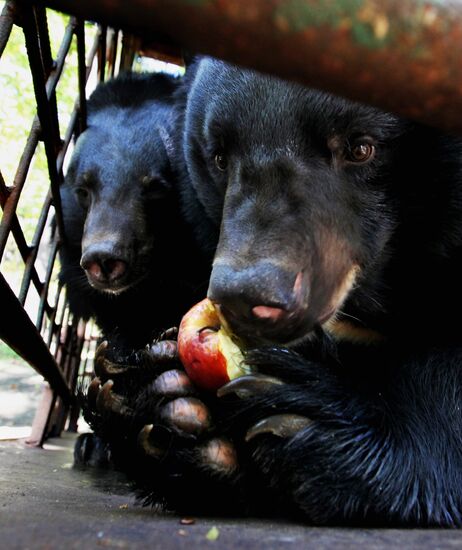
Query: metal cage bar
[[400, 55], [53, 346]]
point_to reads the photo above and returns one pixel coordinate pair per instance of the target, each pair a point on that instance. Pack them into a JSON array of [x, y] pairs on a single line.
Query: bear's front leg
[[387, 452]]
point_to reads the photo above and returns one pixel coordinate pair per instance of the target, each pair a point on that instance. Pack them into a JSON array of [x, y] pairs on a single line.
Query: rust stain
[[398, 55]]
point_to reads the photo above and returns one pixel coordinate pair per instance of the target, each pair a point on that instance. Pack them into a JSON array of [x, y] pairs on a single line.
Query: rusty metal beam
[[401, 55], [16, 328]]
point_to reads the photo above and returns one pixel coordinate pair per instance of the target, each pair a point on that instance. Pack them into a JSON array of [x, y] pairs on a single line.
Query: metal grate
[[56, 344]]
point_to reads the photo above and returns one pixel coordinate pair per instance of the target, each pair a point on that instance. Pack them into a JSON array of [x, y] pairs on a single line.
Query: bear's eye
[[83, 195], [221, 161], [360, 152], [155, 187]]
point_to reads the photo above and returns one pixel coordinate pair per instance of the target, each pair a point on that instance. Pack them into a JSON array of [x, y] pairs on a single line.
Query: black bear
[[128, 259], [338, 230]]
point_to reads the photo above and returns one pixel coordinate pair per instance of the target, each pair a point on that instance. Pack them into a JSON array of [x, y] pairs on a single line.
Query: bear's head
[[118, 188], [298, 183]]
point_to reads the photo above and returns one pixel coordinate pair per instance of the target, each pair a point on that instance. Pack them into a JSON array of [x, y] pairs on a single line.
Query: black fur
[[292, 215], [120, 182], [385, 442]]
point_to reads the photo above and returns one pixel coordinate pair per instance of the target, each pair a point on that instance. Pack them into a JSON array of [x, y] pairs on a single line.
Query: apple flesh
[[209, 355]]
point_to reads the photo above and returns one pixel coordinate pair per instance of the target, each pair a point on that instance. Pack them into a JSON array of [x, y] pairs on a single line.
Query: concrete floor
[[46, 504], [20, 392]]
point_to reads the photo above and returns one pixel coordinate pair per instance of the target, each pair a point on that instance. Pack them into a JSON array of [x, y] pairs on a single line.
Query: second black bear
[[128, 256], [339, 256]]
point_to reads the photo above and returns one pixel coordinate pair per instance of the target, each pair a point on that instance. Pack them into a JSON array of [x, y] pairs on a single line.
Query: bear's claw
[[104, 368], [168, 334], [147, 441], [218, 453], [159, 352], [108, 401], [280, 425], [92, 393], [249, 385]]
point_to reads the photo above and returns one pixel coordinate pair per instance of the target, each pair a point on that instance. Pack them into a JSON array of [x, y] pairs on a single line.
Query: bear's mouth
[[311, 311]]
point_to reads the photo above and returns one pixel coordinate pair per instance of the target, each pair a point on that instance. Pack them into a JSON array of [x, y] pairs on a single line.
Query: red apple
[[209, 355]]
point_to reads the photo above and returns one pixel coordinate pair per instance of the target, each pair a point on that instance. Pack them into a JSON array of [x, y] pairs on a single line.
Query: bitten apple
[[209, 355]]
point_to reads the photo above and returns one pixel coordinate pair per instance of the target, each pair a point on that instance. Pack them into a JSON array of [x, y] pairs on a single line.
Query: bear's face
[[299, 182], [119, 178]]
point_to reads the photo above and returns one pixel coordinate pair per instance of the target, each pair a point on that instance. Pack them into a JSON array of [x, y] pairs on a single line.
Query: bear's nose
[[103, 265], [265, 297]]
